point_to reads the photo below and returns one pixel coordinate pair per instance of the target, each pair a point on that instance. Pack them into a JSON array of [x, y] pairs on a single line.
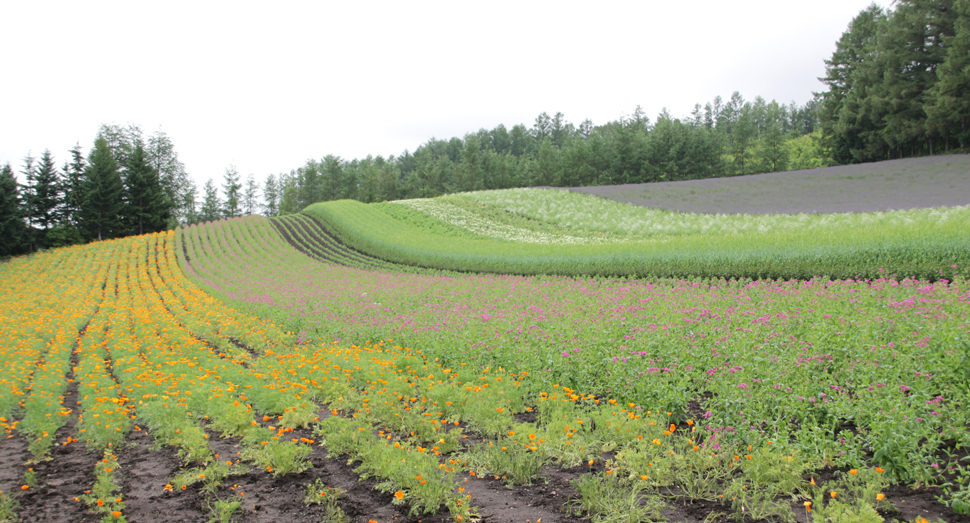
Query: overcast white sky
[[266, 85]]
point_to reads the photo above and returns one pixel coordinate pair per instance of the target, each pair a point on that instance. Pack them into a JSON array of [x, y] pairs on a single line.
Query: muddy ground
[[146, 470]]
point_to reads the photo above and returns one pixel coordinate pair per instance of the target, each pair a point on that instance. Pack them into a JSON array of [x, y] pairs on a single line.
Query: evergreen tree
[[547, 165], [742, 139], [470, 173], [542, 128], [28, 171], [45, 196], [190, 210], [161, 156], [560, 131], [250, 199], [12, 228], [121, 140], [212, 208], [231, 186], [288, 194], [147, 205], [500, 139], [337, 183], [271, 197], [72, 187], [311, 183], [520, 140], [772, 152], [910, 50], [102, 205], [948, 106], [629, 150]]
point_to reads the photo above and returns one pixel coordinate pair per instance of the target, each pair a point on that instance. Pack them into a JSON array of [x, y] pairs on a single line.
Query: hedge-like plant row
[[925, 253]]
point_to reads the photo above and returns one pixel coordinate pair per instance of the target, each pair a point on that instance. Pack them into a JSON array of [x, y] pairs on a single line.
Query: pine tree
[[250, 196], [72, 187], [231, 187], [271, 197], [211, 206], [102, 204], [172, 176], [910, 50], [189, 209], [12, 228], [147, 206], [948, 108], [45, 196], [845, 113], [742, 139], [772, 151]]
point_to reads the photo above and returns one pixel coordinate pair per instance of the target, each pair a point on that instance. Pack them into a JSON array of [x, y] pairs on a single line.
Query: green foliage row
[[940, 252], [311, 239]]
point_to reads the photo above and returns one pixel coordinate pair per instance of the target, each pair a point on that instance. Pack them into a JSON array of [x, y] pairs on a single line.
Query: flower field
[[263, 370]]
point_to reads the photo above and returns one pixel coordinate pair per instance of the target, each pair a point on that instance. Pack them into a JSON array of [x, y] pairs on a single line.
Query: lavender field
[[911, 183]]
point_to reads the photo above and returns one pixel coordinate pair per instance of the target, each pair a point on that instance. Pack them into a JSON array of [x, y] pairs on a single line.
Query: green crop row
[[942, 251]]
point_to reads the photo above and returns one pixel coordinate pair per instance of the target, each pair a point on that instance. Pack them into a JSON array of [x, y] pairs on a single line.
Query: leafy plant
[[318, 493], [606, 499]]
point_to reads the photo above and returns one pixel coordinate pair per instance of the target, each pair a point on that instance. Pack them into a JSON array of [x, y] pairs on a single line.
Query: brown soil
[[267, 499], [935, 181]]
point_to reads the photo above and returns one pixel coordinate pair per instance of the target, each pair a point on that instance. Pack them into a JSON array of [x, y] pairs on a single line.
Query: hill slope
[[911, 183]]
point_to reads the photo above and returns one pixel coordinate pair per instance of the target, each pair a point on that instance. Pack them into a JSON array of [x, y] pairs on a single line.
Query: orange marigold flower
[[116, 513], [880, 496], [399, 494], [853, 472]]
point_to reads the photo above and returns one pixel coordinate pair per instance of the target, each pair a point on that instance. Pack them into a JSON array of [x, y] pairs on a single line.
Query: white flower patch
[[585, 212], [476, 224]]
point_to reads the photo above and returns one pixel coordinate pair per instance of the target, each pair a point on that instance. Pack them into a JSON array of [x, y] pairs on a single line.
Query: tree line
[[721, 138], [127, 184], [899, 83]]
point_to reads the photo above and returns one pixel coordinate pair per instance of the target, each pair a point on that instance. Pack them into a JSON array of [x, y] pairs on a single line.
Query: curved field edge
[[307, 236], [867, 253]]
